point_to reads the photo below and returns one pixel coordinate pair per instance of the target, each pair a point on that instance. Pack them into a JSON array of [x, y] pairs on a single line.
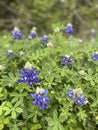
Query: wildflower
[[16, 33], [57, 29], [77, 96], [1, 67], [10, 52], [28, 75], [33, 33], [66, 60], [44, 39], [80, 40], [41, 98], [69, 29], [93, 31], [21, 53], [81, 72], [49, 44], [95, 56]]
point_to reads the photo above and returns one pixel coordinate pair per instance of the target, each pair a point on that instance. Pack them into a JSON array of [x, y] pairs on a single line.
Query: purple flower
[[16, 33], [66, 60], [33, 33], [28, 75], [77, 96], [10, 52], [41, 98], [93, 31], [69, 29], [95, 56], [44, 39], [80, 101]]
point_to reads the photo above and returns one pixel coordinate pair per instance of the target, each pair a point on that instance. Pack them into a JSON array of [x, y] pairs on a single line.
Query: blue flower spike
[[44, 39], [41, 98], [66, 60], [95, 56], [29, 75], [77, 96], [10, 53], [93, 31], [69, 29], [33, 33], [16, 33]]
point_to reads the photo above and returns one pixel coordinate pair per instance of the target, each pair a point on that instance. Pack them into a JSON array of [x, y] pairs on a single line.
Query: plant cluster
[[48, 82]]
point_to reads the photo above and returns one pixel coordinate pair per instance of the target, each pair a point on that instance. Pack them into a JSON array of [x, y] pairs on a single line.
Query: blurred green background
[[25, 14]]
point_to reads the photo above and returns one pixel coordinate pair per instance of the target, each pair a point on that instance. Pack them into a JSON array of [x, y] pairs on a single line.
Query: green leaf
[[8, 111], [14, 94], [17, 103], [14, 128], [14, 99], [35, 120], [5, 108], [92, 82], [24, 128], [49, 119], [0, 110], [94, 104], [55, 127], [61, 127], [55, 115], [13, 114], [9, 104], [63, 117], [88, 78], [19, 110], [50, 128], [6, 120], [51, 123], [1, 125], [36, 127]]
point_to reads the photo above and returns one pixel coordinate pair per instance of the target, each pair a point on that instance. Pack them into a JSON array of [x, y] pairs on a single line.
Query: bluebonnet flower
[[66, 60], [69, 29], [77, 96], [44, 39], [80, 101], [41, 98], [95, 56], [33, 33], [28, 75], [10, 52], [16, 33], [93, 31]]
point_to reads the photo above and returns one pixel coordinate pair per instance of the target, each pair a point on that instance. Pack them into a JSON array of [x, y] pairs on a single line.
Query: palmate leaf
[[8, 111], [55, 122], [9, 80], [13, 114], [19, 110], [55, 115]]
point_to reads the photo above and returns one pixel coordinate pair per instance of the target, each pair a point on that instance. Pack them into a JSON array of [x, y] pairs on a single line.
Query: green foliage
[[42, 14], [16, 109]]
